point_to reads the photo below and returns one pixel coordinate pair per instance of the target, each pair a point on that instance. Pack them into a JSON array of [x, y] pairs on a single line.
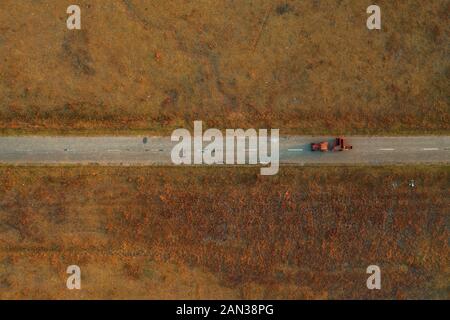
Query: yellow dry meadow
[[301, 66]]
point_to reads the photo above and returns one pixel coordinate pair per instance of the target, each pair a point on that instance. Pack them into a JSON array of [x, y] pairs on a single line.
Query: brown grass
[[301, 66], [224, 233]]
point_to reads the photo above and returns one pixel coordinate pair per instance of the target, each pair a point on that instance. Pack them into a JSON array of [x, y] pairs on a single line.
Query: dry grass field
[[301, 66], [160, 233]]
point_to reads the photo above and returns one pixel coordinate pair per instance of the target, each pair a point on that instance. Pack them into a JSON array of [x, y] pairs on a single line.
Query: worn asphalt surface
[[294, 150]]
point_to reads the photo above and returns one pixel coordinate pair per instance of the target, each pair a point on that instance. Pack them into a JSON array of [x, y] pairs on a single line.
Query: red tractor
[[339, 145]]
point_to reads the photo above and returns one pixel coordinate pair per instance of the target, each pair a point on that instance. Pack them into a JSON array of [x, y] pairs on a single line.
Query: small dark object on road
[[145, 140]]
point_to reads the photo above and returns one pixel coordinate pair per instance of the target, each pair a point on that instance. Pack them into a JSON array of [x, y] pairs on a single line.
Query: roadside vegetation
[[306, 67], [167, 232]]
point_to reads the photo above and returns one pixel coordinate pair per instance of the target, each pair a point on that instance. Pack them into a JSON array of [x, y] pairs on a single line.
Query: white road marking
[[251, 150], [431, 149], [387, 149], [295, 150], [114, 150]]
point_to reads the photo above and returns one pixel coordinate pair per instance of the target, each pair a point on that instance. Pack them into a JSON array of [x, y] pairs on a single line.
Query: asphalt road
[[156, 150]]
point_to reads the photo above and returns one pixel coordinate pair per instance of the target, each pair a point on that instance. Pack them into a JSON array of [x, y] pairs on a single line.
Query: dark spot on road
[[145, 140]]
